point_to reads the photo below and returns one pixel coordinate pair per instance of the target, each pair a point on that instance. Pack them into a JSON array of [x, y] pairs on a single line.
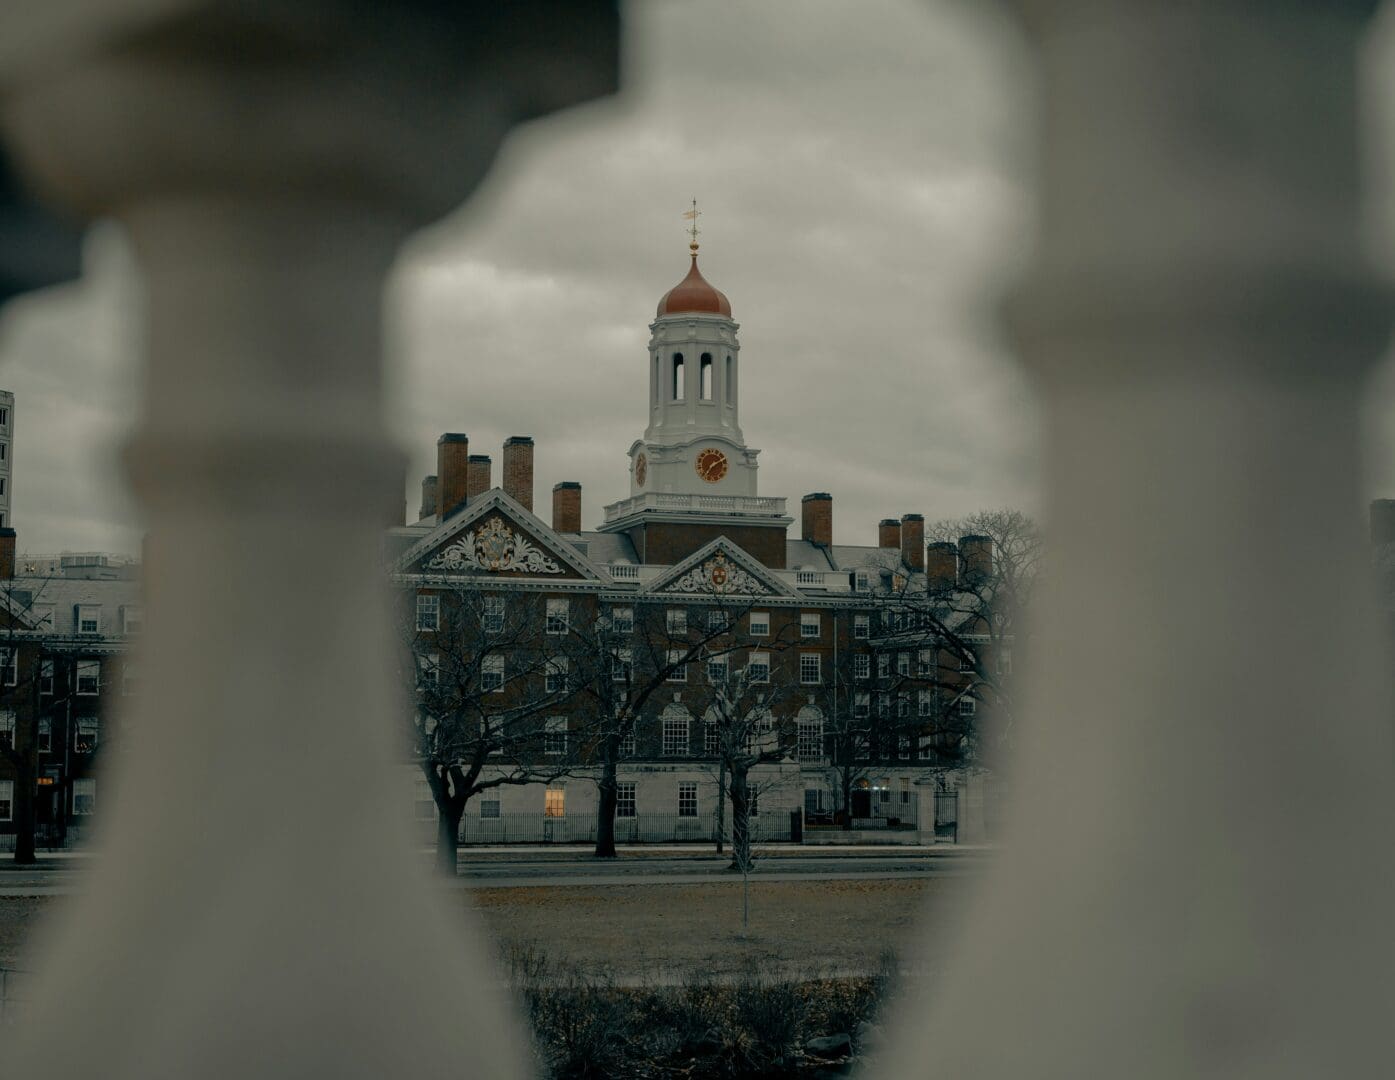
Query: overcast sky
[[863, 176]]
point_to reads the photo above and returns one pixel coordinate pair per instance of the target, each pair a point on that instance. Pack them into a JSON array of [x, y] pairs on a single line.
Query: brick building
[[850, 638]]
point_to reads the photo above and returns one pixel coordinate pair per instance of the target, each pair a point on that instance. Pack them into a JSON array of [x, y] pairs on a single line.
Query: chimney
[[818, 518], [452, 453], [942, 567], [7, 554], [566, 507], [1382, 522], [975, 560], [518, 469], [889, 533], [477, 475], [428, 496], [913, 540]]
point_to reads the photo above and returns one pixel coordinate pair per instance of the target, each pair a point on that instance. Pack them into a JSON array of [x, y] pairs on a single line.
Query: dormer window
[[132, 619], [89, 618]]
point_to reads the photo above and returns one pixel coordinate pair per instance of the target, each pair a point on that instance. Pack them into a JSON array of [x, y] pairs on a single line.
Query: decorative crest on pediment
[[494, 548], [720, 575]]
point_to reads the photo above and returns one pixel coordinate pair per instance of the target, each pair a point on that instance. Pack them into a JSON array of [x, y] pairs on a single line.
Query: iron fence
[[538, 828]]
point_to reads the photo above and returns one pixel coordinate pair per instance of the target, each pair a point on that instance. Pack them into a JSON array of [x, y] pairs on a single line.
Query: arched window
[[726, 383], [678, 376], [658, 379], [705, 377]]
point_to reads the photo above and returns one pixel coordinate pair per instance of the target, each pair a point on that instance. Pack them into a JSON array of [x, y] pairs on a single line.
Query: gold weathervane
[[692, 215]]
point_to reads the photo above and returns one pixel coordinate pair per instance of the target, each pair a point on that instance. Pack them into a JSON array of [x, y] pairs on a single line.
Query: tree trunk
[[740, 820], [605, 809], [448, 836], [721, 802], [24, 811]]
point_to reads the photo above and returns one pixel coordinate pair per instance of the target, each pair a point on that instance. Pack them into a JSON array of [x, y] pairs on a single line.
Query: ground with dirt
[[636, 931]]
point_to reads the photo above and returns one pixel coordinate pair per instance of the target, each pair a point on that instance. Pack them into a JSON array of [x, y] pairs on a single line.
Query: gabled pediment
[[496, 536], [720, 568]]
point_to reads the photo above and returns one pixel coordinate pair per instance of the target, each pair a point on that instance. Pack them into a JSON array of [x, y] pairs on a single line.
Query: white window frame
[[809, 740], [88, 670], [492, 668], [492, 617], [45, 735], [810, 626], [559, 615], [9, 667], [903, 664], [676, 621], [680, 673], [861, 581], [925, 702], [883, 665], [45, 676], [85, 614], [687, 799], [132, 619], [710, 732], [967, 705], [622, 663], [756, 663], [862, 627], [86, 725], [677, 736], [491, 809], [7, 800], [717, 670], [810, 669], [622, 620], [428, 612], [925, 663], [555, 800], [555, 674], [862, 666], [555, 736], [626, 799], [9, 728], [758, 623]]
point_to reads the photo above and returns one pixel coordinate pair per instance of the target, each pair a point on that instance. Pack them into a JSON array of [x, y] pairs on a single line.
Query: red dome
[[693, 293]]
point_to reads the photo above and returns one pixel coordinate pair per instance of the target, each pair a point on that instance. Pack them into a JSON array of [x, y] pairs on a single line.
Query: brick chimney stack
[[975, 560], [913, 540], [478, 470], [7, 554], [889, 533], [518, 469], [566, 507], [452, 458], [817, 508], [942, 567], [428, 496]]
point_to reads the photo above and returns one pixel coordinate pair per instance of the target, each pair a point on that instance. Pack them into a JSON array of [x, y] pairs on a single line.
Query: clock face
[[711, 465], [641, 469]]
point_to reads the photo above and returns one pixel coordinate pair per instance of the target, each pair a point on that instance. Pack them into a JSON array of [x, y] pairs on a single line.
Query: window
[[810, 744], [813, 800], [705, 377], [7, 729], [84, 797], [925, 663], [625, 799], [492, 674], [687, 799], [493, 614], [809, 625], [862, 629], [903, 706], [675, 736], [555, 739], [753, 802], [4, 417], [89, 618], [622, 620], [43, 616], [45, 676], [7, 799], [810, 669], [861, 582], [925, 703], [9, 666], [89, 674], [758, 667], [621, 665], [132, 619], [967, 706], [428, 669], [717, 670], [3, 449], [627, 744], [45, 734], [883, 665], [710, 737], [555, 678], [677, 385], [85, 739], [489, 808], [555, 801], [428, 611], [677, 621], [862, 666], [717, 619], [862, 706], [903, 663], [558, 615], [760, 624], [967, 662], [679, 673], [727, 387]]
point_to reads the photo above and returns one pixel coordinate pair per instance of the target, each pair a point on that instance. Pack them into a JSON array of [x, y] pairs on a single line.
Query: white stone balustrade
[[256, 910], [1198, 881]]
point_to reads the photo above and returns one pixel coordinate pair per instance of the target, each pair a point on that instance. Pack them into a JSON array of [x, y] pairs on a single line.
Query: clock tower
[[692, 464]]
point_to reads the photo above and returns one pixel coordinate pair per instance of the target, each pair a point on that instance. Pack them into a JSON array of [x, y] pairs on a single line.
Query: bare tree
[[22, 666], [489, 672]]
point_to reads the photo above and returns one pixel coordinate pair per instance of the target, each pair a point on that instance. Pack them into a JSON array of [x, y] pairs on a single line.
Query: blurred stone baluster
[[1198, 879], [257, 909]]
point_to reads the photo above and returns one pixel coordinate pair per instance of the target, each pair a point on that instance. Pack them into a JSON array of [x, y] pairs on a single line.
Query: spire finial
[[692, 215]]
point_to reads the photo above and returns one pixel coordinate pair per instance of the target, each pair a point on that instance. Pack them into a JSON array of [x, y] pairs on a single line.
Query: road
[[523, 868]]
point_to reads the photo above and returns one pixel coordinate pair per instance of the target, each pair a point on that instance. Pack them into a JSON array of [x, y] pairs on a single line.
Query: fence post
[[1199, 321], [258, 910]]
